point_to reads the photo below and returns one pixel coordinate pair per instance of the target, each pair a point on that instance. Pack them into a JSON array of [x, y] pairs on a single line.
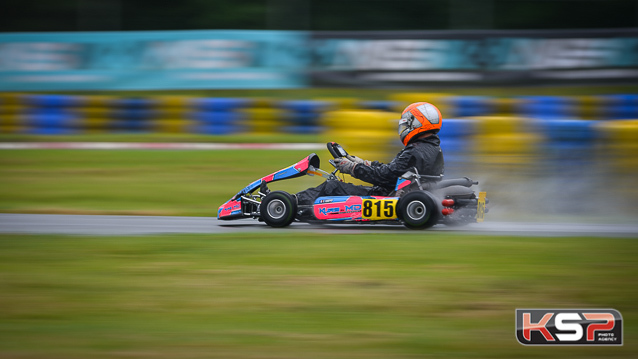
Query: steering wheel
[[336, 150]]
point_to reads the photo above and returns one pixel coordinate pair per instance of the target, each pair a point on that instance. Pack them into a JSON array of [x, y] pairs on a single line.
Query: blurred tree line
[[318, 15]]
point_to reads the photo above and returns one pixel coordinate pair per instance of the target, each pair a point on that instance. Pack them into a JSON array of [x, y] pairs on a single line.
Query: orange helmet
[[418, 118]]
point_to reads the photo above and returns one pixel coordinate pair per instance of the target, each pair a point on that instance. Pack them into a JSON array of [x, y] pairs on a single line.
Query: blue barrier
[[454, 128], [547, 107], [456, 144], [50, 119], [50, 124], [304, 105], [303, 116], [50, 114], [50, 131], [51, 101], [219, 104], [568, 143], [454, 149], [217, 118], [466, 106], [621, 107], [59, 114], [134, 103], [133, 114], [571, 131]]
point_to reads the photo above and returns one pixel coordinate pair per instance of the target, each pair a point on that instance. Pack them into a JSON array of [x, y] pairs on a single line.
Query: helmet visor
[[404, 124], [404, 128]]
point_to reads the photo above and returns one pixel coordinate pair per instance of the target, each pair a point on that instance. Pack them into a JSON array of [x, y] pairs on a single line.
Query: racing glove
[[344, 165], [358, 160]]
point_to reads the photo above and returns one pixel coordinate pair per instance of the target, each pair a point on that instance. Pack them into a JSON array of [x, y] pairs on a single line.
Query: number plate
[[379, 209], [480, 209]]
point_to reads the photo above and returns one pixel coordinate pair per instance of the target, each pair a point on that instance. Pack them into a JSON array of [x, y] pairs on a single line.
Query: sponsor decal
[[340, 210], [569, 327]]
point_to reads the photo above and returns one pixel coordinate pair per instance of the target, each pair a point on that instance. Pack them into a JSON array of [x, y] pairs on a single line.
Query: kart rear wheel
[[417, 210], [278, 209]]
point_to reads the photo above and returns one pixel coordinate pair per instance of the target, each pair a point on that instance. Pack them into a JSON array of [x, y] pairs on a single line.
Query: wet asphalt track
[[140, 225]]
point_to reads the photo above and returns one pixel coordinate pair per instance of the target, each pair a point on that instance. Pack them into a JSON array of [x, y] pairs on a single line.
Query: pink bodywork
[[348, 209], [229, 207], [299, 166]]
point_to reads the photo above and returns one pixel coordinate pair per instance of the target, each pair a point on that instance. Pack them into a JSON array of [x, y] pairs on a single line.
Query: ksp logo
[[568, 327]]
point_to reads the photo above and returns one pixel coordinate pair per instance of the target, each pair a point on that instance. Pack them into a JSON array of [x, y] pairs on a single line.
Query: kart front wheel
[[278, 209], [417, 210]]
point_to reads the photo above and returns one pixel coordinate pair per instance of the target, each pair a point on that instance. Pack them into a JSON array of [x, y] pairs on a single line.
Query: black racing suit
[[423, 153]]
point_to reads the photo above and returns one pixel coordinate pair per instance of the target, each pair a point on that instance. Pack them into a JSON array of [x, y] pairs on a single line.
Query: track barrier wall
[[508, 132]]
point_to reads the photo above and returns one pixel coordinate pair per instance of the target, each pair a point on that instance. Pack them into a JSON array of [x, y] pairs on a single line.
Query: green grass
[[136, 182], [318, 296]]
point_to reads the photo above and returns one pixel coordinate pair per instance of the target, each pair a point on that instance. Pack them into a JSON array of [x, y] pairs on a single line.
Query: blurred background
[[539, 97]]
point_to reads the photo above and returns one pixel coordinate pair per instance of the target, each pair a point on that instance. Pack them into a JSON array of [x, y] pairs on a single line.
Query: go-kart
[[417, 202]]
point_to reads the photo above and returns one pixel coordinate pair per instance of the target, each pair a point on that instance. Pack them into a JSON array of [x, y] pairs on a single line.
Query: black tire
[[417, 210], [278, 209]]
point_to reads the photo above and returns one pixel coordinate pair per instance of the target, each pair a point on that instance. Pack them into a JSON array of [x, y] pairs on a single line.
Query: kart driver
[[418, 127]]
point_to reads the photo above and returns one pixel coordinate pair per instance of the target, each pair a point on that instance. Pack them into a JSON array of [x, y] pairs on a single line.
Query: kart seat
[[464, 182], [456, 191], [448, 187]]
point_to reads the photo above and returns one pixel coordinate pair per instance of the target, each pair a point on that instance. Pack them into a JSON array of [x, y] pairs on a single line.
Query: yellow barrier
[[95, 114], [365, 133], [621, 145], [504, 140], [505, 106], [589, 107], [263, 117], [263, 120], [173, 114], [11, 110], [94, 119], [11, 119]]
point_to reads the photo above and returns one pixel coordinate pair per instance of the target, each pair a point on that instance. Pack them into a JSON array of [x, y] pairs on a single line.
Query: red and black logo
[[569, 327]]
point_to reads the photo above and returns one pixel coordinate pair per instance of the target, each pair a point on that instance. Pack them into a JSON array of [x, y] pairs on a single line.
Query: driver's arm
[[385, 175]]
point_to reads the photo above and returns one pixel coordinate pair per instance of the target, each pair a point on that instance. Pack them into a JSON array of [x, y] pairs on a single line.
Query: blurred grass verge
[[137, 182], [316, 296]]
